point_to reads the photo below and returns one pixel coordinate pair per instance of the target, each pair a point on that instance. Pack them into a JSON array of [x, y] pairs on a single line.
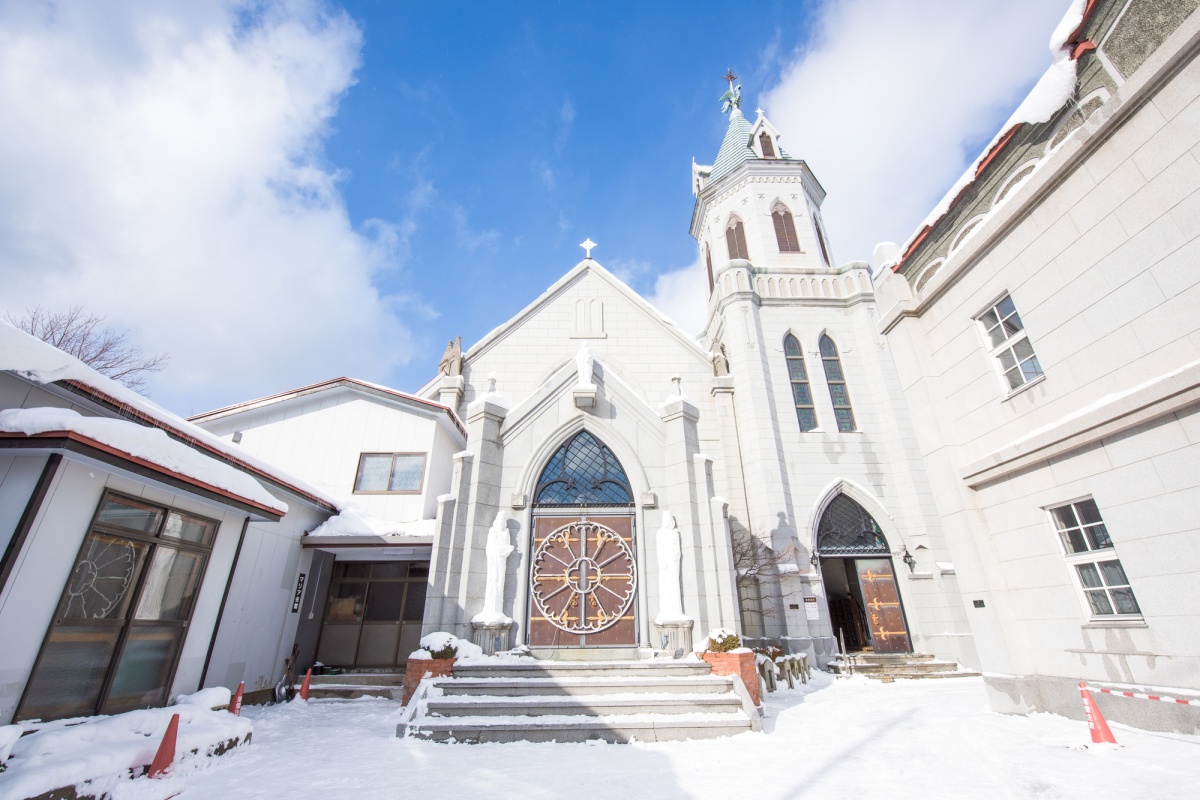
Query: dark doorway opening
[[373, 614]]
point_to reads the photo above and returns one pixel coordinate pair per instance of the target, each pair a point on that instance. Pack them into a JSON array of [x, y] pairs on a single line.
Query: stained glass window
[[583, 472], [806, 414], [837, 385], [846, 529]]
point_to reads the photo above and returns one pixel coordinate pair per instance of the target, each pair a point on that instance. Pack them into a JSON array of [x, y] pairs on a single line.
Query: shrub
[[723, 640], [770, 651]]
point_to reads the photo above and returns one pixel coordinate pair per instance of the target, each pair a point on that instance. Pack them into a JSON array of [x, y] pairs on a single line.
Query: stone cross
[[587, 246]]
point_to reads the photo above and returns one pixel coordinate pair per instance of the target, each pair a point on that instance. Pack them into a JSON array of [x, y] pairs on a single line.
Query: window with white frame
[[390, 473], [1090, 553], [1005, 334]]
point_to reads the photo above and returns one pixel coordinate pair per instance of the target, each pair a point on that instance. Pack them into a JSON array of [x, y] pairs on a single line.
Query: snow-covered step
[[584, 669], [584, 705], [540, 701], [529, 687], [890, 666], [360, 678], [617, 730], [350, 691]]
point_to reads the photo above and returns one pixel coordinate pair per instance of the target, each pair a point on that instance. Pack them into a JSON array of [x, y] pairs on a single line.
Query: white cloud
[[162, 166], [683, 296], [892, 99]]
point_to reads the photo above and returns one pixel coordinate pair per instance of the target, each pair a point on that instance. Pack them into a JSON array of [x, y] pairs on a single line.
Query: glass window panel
[[796, 370], [1012, 325], [1098, 536], [1031, 369], [833, 370], [117, 511], [1064, 517], [1075, 541], [389, 569], [791, 346], [71, 672], [990, 320], [1006, 307], [373, 474], [414, 604], [420, 570], [587, 475], [188, 528], [807, 417], [801, 394], [101, 585], [845, 419], [1088, 512], [1113, 574], [1007, 360], [1099, 603], [1014, 378], [144, 670], [346, 602], [838, 392], [170, 583], [384, 601], [356, 569], [1089, 576], [407, 472], [1023, 349], [996, 336], [828, 348], [1123, 598]]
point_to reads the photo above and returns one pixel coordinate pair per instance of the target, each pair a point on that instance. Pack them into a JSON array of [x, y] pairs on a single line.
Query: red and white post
[[1096, 724]]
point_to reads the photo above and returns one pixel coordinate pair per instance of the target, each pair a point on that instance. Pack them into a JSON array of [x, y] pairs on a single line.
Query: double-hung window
[[1009, 343], [1090, 552], [390, 473]]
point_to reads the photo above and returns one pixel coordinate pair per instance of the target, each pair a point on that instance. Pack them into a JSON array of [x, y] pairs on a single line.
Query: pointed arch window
[[785, 229], [837, 385], [708, 264], [846, 529], [766, 145], [735, 237], [583, 472], [806, 414]]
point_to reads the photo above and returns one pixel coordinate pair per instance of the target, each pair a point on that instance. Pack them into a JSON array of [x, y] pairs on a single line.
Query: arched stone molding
[[927, 274], [965, 231], [625, 452], [1015, 179], [864, 498]]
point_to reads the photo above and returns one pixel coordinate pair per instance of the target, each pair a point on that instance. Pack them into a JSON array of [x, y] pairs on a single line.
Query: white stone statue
[[584, 364], [499, 547], [670, 558]]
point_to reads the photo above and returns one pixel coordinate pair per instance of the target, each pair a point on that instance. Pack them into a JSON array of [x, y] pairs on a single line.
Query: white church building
[[983, 447]]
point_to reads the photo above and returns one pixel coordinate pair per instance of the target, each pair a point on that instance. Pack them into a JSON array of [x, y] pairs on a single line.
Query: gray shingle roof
[[735, 148]]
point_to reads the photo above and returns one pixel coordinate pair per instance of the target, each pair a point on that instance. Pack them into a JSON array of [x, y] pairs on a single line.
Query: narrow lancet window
[[785, 229], [708, 264], [735, 237], [766, 145], [837, 385], [806, 414]]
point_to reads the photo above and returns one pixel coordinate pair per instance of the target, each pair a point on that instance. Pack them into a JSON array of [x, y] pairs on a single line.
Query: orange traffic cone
[[304, 685], [1096, 724], [166, 750], [235, 705]]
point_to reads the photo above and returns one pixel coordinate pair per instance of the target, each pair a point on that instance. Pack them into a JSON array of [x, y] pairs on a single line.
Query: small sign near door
[[810, 608], [299, 594]]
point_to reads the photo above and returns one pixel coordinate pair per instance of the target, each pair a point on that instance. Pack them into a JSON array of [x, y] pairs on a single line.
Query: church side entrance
[[583, 572], [373, 614], [860, 583]]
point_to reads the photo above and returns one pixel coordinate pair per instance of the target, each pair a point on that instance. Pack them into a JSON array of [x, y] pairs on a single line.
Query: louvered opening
[[735, 238], [766, 145], [785, 230]]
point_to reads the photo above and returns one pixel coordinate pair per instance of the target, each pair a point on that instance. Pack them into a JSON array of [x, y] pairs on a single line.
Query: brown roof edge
[[131, 412], [321, 385]]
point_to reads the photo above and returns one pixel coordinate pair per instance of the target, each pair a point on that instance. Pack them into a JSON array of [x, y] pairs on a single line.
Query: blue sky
[[282, 192]]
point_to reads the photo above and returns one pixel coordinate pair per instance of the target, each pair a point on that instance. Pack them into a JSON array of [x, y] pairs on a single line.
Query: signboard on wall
[[299, 594], [810, 608]]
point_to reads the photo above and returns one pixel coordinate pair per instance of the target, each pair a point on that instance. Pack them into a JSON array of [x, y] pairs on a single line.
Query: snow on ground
[[910, 739]]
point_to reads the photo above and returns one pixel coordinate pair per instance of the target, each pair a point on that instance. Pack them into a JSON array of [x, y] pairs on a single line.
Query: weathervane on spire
[[732, 99]]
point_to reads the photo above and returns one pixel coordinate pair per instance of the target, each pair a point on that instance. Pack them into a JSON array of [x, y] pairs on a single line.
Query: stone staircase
[[891, 666], [357, 684], [565, 701]]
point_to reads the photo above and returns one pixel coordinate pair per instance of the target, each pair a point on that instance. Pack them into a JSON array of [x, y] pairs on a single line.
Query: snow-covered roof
[[1048, 95], [354, 384], [44, 364], [353, 522]]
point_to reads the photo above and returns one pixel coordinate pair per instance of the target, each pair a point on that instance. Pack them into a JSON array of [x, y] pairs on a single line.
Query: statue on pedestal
[[497, 550]]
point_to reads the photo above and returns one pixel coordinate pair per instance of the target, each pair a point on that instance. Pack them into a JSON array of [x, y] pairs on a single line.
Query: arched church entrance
[[583, 572], [860, 584]]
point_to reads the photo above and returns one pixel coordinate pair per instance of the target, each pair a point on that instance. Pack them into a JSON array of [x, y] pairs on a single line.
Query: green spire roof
[[735, 148]]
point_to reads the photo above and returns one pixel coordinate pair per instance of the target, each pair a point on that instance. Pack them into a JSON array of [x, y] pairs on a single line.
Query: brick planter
[[418, 668], [741, 664]]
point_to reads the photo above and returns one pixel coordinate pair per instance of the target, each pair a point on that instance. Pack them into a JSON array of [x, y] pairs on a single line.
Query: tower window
[[837, 385], [708, 264], [821, 241], [806, 414], [785, 229], [735, 237], [766, 145]]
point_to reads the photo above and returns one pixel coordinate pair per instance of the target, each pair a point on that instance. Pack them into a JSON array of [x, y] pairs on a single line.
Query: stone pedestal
[[678, 637], [492, 637], [741, 664]]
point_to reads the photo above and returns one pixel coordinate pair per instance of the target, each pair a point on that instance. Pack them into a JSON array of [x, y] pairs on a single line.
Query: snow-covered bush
[[722, 640], [445, 645]]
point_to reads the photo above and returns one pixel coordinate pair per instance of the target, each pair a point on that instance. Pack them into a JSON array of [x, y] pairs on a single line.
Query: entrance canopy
[[846, 529]]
